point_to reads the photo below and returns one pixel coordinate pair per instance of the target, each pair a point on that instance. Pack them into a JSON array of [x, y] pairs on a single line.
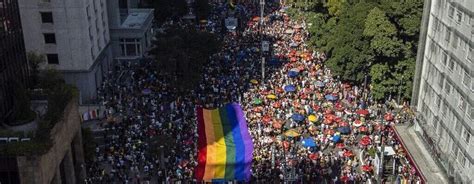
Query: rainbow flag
[[224, 145]]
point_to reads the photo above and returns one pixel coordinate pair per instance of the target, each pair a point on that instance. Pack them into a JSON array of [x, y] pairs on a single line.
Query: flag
[[224, 145]]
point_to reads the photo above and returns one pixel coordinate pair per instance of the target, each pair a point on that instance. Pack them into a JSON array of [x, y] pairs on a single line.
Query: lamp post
[[262, 9]]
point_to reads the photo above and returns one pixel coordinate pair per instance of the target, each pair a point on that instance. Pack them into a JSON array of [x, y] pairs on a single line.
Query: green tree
[[382, 33], [22, 112], [34, 60], [335, 7], [180, 51], [165, 9]]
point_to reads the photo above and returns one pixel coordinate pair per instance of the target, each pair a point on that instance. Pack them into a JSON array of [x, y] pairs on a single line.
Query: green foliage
[[22, 112], [377, 38], [180, 51], [165, 9], [34, 60], [59, 95]]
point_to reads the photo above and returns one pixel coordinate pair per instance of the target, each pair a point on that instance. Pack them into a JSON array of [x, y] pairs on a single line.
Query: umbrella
[[312, 118], [308, 142], [336, 138], [146, 91], [319, 84], [362, 112], [343, 124], [291, 133], [276, 105], [348, 153], [257, 101], [363, 129], [271, 96], [292, 74], [293, 44], [327, 121], [297, 70], [274, 61], [297, 117], [276, 125], [330, 97], [358, 123], [256, 18], [329, 131], [344, 130], [290, 88], [340, 145], [312, 128], [293, 59], [266, 119], [313, 156], [286, 144], [366, 168], [365, 141], [344, 178], [254, 81]]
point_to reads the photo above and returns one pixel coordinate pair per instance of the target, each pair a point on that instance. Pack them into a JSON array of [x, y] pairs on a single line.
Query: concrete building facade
[[130, 29], [74, 36], [443, 95]]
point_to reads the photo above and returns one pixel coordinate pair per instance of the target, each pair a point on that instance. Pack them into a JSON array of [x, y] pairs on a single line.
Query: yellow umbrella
[[312, 118], [292, 133], [271, 96], [253, 81]]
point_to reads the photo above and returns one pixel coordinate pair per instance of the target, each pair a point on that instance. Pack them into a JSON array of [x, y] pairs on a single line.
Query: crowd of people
[[306, 125]]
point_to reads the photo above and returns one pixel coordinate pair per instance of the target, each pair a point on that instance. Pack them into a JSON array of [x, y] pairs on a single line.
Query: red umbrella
[[365, 141], [363, 112], [276, 125], [256, 18], [338, 119], [293, 59], [340, 145], [344, 179], [266, 119], [276, 105], [286, 145], [313, 156], [339, 107], [348, 154], [366, 168], [379, 126], [343, 124], [316, 108], [358, 123], [329, 132], [327, 121], [363, 129]]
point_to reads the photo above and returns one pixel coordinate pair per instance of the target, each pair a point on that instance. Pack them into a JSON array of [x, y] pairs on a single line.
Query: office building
[[74, 37], [443, 93], [13, 63]]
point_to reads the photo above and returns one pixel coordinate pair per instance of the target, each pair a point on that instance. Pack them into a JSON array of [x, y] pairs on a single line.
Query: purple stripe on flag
[[247, 140]]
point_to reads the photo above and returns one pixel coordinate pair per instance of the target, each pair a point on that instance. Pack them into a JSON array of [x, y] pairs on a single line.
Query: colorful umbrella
[[257, 101], [313, 156], [254, 81], [362, 112], [340, 145], [358, 123], [343, 124], [276, 125], [308, 142], [330, 97], [290, 88], [292, 133], [329, 132], [336, 138], [348, 153], [271, 96], [297, 117], [292, 74], [366, 168], [344, 130], [363, 129], [312, 118]]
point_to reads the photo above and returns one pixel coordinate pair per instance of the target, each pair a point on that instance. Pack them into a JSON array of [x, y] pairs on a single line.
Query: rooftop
[[136, 18]]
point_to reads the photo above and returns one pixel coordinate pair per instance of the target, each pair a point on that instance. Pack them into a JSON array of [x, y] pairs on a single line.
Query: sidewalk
[[420, 154]]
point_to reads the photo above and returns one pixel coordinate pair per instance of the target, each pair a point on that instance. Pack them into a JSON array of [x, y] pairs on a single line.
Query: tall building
[[130, 29], [443, 93], [74, 37], [13, 63]]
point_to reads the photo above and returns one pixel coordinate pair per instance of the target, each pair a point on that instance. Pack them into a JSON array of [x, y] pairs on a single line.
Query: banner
[[224, 145]]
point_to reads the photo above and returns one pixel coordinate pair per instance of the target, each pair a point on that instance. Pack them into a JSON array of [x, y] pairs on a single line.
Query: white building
[[443, 93], [130, 29], [74, 35]]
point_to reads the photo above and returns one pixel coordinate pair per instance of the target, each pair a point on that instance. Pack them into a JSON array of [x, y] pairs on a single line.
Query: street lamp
[[262, 9]]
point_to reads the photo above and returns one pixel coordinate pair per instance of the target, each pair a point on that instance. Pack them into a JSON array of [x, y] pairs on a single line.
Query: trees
[[34, 60], [181, 51], [377, 38], [165, 9]]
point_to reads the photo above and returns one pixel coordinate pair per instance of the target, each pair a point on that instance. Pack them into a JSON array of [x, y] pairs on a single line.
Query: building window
[[461, 159], [130, 47], [451, 11], [435, 24], [447, 36], [46, 17], [470, 113], [462, 104], [447, 87], [49, 38], [455, 41], [444, 58], [470, 54], [451, 65], [52, 58], [458, 16], [457, 125], [466, 79], [466, 136]]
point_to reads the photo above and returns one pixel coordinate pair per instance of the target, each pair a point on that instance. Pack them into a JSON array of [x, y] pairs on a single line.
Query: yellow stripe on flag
[[220, 145]]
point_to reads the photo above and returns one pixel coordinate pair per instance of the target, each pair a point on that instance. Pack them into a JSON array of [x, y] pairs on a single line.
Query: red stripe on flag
[[202, 144]]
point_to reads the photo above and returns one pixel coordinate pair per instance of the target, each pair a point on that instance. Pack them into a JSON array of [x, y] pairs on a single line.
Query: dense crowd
[[305, 124]]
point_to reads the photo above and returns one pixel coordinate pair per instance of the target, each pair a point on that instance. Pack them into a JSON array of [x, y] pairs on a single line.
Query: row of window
[[454, 40], [458, 16]]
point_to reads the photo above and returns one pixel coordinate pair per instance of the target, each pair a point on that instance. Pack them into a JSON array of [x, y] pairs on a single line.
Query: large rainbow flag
[[224, 145]]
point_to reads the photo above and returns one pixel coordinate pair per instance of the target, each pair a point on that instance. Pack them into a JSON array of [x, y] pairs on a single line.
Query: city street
[[306, 125]]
